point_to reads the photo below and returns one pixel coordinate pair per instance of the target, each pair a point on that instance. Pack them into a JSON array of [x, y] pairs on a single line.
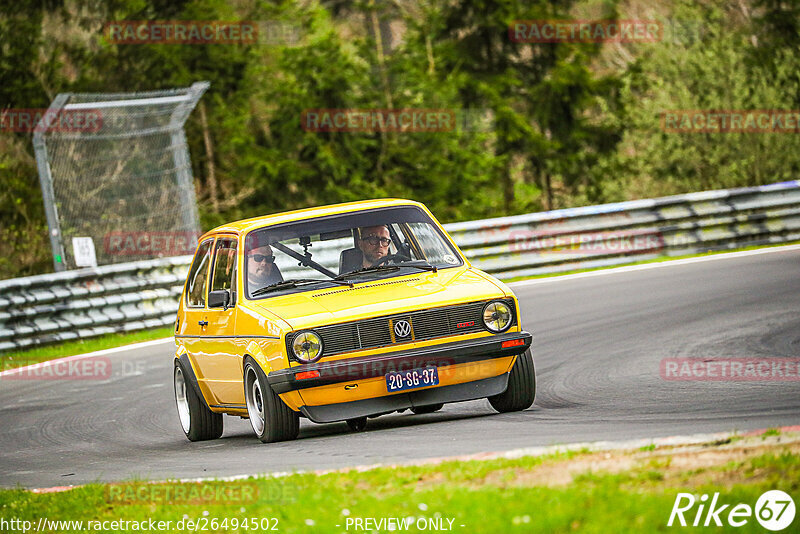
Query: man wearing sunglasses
[[261, 268], [374, 243]]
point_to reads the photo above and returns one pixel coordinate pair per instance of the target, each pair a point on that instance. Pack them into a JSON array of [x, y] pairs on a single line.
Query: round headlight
[[307, 346], [497, 316]]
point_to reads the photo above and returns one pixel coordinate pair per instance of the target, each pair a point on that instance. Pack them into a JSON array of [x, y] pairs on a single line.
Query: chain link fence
[[116, 176]]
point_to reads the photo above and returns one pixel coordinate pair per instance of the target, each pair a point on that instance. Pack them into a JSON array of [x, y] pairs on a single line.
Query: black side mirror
[[220, 298]]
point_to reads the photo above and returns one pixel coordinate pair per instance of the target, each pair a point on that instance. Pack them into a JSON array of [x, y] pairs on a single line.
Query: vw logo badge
[[402, 328]]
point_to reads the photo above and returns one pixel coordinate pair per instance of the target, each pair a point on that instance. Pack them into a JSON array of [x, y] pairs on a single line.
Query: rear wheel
[[198, 422], [521, 387], [427, 409], [270, 418]]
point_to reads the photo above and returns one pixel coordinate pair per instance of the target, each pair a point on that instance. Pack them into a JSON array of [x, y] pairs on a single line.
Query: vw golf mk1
[[340, 313]]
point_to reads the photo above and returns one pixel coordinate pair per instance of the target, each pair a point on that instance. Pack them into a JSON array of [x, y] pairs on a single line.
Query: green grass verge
[[494, 496], [11, 360]]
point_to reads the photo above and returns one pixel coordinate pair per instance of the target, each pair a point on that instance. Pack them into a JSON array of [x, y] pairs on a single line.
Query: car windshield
[[354, 247]]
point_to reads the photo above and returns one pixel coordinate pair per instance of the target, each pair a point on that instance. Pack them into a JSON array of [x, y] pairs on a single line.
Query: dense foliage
[[561, 124]]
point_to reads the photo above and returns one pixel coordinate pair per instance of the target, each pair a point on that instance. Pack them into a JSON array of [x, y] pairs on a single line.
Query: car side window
[[196, 285], [225, 267]]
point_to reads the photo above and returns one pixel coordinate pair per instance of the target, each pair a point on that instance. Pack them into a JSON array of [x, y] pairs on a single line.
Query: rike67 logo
[[774, 510]]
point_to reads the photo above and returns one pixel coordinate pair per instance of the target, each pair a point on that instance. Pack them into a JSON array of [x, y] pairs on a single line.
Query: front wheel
[[521, 387], [198, 422], [270, 418]]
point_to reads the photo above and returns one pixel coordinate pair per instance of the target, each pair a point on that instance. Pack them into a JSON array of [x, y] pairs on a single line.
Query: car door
[[191, 327], [219, 362]]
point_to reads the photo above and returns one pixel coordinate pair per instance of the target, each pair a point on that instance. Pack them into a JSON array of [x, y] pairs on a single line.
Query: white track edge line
[[113, 350]]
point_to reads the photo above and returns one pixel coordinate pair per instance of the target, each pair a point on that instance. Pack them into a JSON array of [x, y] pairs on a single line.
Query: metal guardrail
[[84, 303], [626, 232], [123, 297]]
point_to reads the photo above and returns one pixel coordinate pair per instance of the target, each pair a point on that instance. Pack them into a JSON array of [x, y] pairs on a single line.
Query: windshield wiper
[[424, 266], [296, 282], [364, 270], [378, 268]]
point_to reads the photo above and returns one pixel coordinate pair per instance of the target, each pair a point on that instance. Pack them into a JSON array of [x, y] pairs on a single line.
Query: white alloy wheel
[[255, 401], [180, 399]]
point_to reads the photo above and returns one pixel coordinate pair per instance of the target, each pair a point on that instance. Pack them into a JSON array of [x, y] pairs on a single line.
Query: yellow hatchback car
[[339, 313]]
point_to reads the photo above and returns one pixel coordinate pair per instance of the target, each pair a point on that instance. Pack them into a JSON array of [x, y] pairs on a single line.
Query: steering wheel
[[392, 257]]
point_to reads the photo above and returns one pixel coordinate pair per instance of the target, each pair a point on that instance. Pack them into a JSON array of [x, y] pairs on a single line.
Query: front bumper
[[477, 389], [354, 369]]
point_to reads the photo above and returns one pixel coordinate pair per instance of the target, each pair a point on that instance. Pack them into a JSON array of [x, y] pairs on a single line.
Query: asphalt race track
[[599, 341]]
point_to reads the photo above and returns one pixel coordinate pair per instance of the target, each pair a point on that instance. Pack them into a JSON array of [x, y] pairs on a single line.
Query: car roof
[[246, 225]]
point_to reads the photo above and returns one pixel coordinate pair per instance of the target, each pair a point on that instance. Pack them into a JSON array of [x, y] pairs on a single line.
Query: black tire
[[521, 389], [359, 424], [197, 421], [427, 409], [269, 416]]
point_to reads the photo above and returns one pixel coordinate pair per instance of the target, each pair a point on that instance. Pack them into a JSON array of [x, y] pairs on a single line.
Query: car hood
[[400, 294]]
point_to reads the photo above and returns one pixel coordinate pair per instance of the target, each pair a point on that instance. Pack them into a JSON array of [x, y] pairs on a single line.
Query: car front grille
[[425, 324]]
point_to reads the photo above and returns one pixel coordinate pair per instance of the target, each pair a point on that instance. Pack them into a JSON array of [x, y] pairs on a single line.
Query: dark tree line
[[557, 125]]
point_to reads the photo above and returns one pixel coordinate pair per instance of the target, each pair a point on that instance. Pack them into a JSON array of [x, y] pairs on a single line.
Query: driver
[[261, 269], [374, 243]]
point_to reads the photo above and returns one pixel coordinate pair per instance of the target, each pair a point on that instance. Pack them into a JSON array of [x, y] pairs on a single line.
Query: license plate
[[415, 378]]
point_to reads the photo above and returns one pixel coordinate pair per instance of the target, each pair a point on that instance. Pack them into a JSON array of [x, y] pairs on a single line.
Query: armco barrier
[[613, 234], [88, 302], [116, 298]]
